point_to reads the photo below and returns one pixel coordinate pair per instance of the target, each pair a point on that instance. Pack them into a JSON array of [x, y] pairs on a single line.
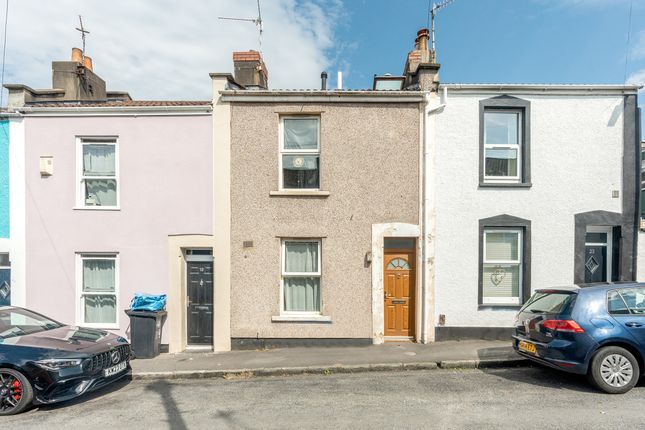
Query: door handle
[[633, 324]]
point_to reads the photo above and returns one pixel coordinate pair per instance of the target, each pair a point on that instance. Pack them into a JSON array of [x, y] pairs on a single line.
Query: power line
[[4, 50], [629, 30]]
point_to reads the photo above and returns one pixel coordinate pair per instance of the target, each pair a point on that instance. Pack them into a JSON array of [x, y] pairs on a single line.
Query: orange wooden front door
[[399, 293]]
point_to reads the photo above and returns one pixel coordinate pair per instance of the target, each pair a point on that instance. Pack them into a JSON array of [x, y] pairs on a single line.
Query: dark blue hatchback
[[594, 330]]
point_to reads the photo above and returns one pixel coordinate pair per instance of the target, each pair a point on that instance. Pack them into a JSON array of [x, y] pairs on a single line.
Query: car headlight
[[58, 363]]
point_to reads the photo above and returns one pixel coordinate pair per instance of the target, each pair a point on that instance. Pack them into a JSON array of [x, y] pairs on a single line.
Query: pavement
[[326, 360]]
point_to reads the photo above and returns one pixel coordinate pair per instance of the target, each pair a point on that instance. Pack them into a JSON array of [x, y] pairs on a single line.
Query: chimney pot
[[422, 36], [323, 84], [87, 63], [77, 55]]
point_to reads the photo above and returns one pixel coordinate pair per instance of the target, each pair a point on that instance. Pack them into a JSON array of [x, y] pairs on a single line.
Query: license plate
[[115, 369], [527, 347]]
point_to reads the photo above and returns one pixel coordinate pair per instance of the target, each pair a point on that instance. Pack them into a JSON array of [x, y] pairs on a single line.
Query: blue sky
[[534, 41]]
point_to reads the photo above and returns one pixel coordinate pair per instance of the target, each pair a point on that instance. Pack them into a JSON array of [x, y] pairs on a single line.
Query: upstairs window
[[502, 145], [300, 153], [98, 172]]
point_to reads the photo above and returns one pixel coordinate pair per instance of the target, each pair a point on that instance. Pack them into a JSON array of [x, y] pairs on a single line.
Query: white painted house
[[534, 186]]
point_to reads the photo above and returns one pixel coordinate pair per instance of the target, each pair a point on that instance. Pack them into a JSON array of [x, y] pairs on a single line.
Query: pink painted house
[[117, 198]]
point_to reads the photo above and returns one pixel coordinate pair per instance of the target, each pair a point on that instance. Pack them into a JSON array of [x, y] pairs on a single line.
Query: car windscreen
[[19, 322], [558, 302]]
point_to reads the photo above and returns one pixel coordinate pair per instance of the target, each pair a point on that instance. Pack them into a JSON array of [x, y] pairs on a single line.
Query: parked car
[[43, 361], [596, 330]]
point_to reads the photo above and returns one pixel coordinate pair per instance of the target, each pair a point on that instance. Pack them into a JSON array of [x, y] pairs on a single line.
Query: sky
[[164, 49]]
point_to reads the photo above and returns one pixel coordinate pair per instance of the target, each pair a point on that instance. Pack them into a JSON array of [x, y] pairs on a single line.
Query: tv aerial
[[83, 33], [257, 21], [433, 12]]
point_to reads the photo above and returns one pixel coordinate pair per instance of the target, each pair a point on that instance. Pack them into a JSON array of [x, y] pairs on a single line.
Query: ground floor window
[[502, 266], [97, 279], [301, 276], [504, 261]]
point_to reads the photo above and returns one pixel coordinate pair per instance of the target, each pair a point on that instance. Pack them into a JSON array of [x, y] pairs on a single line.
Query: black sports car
[[43, 361]]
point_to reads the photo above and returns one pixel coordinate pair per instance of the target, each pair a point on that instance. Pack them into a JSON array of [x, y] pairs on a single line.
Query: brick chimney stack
[[420, 72], [250, 70]]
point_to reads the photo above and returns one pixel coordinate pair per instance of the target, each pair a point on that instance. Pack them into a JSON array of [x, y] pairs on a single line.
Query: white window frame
[[80, 178], [608, 245], [80, 302], [511, 301], [284, 273], [283, 151], [520, 144]]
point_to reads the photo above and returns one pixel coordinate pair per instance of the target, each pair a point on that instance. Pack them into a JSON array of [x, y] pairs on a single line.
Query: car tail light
[[563, 325]]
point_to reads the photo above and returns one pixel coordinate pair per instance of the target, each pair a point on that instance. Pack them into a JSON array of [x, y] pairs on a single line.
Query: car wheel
[[614, 370], [16, 393]]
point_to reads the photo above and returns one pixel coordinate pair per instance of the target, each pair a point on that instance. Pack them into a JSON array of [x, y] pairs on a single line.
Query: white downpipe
[[433, 105]]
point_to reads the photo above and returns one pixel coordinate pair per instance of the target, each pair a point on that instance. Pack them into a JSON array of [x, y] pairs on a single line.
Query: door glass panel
[[596, 238], [398, 263], [399, 243]]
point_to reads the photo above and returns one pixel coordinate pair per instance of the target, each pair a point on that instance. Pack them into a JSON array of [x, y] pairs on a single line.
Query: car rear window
[[550, 303]]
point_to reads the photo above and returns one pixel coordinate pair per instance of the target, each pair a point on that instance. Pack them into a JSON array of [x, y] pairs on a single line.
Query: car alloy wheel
[[614, 370], [15, 392]]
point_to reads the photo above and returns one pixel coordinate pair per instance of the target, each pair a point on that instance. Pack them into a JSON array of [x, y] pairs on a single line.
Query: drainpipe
[[433, 106]]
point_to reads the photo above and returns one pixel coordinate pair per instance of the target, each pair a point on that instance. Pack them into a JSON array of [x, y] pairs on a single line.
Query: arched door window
[[398, 264]]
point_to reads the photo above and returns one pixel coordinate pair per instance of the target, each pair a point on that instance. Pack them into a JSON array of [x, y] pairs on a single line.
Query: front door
[[399, 289], [200, 302], [598, 242]]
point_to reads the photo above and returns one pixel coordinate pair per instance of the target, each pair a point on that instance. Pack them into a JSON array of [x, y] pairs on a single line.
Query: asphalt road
[[524, 398]]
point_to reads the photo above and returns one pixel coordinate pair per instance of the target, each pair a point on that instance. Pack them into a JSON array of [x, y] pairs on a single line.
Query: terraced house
[[111, 196]]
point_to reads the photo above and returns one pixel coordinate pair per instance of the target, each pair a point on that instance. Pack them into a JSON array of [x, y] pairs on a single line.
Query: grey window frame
[[509, 222], [513, 104]]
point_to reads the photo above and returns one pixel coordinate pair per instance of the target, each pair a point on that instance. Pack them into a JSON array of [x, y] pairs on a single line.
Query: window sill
[[99, 326], [96, 208], [302, 318], [299, 193], [498, 306], [505, 185]]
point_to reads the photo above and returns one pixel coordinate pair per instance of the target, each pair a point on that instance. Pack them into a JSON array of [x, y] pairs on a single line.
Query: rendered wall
[[165, 186], [576, 162], [369, 165]]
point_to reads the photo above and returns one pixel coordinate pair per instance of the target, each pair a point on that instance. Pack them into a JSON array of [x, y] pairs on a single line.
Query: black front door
[[595, 263], [200, 302]]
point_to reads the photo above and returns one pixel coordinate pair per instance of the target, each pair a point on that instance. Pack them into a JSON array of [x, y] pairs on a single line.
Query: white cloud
[[637, 78], [161, 49]]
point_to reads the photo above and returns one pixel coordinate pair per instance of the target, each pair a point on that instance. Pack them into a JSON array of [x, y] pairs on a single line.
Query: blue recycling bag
[[148, 302]]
